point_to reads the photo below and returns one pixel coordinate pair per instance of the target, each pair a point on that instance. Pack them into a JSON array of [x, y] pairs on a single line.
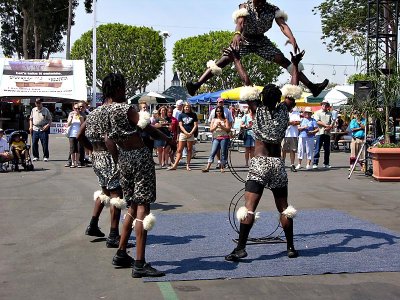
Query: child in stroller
[[19, 148]]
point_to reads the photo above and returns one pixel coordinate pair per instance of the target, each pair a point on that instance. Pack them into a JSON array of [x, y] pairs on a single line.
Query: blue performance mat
[[193, 246]]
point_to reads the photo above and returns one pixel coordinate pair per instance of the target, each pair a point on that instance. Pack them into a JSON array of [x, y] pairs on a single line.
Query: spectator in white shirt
[[289, 144]]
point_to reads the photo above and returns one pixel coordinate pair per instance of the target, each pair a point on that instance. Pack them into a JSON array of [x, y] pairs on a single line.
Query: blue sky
[[185, 18]]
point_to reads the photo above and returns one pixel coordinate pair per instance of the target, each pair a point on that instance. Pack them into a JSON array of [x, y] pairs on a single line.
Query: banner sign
[[43, 78], [58, 128]]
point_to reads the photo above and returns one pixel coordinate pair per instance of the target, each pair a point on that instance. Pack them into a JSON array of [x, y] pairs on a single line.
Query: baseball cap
[[155, 111], [308, 109], [220, 100], [1, 130], [179, 102], [325, 102], [39, 100]]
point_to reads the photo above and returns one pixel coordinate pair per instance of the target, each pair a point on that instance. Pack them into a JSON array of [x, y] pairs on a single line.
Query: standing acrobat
[[253, 19], [267, 169], [91, 135]]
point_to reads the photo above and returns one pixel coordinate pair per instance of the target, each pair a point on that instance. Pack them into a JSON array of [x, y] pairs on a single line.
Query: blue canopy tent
[[207, 98]]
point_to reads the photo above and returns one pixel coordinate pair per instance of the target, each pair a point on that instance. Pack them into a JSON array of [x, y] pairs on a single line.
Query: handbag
[[242, 134]]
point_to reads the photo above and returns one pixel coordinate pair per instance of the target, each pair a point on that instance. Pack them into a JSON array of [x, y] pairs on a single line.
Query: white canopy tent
[[337, 97]]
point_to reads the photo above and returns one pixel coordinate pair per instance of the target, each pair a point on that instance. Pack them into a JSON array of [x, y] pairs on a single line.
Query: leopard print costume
[[255, 25], [269, 127], [102, 163], [137, 172]]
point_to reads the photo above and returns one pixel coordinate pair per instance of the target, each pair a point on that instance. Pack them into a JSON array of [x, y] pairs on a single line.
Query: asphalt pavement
[[44, 253]]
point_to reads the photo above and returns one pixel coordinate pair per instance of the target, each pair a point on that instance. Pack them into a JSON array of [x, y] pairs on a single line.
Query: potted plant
[[378, 106], [386, 162]]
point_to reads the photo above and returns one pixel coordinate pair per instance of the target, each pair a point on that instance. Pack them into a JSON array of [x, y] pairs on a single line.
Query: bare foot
[[188, 168], [171, 168], [222, 170]]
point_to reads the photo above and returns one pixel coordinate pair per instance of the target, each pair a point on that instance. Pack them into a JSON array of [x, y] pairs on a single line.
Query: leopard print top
[[97, 124], [258, 24], [271, 127], [120, 127]]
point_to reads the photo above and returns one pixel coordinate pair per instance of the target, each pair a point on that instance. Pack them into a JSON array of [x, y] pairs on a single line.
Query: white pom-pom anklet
[[290, 212], [96, 195], [104, 199], [148, 222], [118, 202], [215, 70], [242, 213]]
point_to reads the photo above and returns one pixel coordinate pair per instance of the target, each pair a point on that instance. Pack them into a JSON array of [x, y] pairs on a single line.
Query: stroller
[[26, 162]]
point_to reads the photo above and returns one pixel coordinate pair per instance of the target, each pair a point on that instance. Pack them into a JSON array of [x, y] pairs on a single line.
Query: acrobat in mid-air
[[253, 19]]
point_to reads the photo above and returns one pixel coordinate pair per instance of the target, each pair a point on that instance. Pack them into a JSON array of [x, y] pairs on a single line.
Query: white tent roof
[[336, 97], [345, 88]]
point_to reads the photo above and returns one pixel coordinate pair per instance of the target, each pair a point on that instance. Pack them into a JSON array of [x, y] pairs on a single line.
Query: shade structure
[[206, 98], [335, 97], [234, 94], [151, 98]]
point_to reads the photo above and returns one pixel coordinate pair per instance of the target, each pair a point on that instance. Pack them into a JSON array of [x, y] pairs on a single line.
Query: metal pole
[[165, 48], [94, 56], [165, 34], [68, 51]]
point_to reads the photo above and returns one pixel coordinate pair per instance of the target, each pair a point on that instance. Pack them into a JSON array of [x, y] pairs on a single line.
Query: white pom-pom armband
[[215, 70], [144, 119], [242, 12], [290, 212], [249, 93], [281, 14]]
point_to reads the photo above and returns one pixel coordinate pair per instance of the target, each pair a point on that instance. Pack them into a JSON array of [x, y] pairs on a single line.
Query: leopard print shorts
[[137, 175], [105, 169], [268, 171]]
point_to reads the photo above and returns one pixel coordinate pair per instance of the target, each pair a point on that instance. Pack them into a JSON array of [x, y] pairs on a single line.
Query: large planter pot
[[386, 163]]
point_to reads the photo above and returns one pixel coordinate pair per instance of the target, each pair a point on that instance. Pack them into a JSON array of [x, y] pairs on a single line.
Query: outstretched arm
[[288, 33], [156, 134]]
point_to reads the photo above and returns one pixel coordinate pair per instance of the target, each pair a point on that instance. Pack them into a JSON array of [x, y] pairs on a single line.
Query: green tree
[[136, 52], [344, 25], [33, 28], [191, 56], [356, 77]]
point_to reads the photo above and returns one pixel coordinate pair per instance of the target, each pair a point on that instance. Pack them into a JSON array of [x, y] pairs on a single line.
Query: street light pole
[[94, 56], [68, 50], [165, 34]]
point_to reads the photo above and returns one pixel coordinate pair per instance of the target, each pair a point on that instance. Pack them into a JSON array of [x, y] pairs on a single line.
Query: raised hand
[[295, 59]]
